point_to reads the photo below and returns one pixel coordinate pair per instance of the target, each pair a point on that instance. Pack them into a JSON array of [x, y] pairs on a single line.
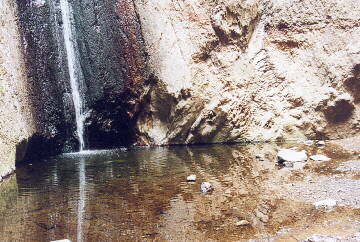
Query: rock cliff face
[[109, 47], [37, 116], [251, 70], [16, 122]]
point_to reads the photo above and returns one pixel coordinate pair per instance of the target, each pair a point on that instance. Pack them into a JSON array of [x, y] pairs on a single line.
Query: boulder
[[286, 155]]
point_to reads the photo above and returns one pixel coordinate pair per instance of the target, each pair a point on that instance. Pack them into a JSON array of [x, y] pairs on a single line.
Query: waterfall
[[74, 70]]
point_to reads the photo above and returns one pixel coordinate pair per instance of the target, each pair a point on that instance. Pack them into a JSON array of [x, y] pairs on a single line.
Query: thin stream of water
[[76, 84], [74, 70]]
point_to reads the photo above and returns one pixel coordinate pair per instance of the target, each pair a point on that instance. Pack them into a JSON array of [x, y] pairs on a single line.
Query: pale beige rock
[[251, 70], [15, 117]]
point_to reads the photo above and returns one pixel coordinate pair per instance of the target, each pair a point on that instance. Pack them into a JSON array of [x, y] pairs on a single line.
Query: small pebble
[[206, 187], [191, 178], [309, 142], [320, 158], [242, 223], [321, 143]]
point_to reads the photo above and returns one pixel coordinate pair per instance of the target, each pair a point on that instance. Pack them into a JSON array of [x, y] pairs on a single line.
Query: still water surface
[[142, 195]]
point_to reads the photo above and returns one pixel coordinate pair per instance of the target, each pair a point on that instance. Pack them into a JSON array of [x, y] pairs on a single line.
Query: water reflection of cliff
[[142, 195]]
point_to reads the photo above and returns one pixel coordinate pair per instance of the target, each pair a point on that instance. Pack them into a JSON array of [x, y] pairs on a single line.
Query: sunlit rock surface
[[251, 70], [16, 123]]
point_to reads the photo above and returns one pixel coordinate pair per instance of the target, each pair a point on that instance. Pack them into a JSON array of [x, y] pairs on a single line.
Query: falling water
[[76, 86], [74, 70]]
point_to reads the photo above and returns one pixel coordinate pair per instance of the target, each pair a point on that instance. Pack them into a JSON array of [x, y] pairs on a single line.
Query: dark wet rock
[[340, 109], [113, 63], [191, 178], [206, 187]]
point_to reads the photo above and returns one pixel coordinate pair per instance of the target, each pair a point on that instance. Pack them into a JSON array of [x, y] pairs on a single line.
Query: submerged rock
[[63, 240], [320, 158], [286, 156], [206, 187], [327, 204], [191, 178]]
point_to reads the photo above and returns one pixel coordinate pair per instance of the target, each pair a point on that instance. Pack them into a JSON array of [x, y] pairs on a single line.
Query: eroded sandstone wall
[[251, 70]]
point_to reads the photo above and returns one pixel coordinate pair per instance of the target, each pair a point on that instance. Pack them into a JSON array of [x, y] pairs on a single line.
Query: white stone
[[63, 240], [242, 223], [39, 3], [308, 142], [320, 158], [321, 143], [327, 204], [321, 238], [191, 178], [206, 187], [291, 155]]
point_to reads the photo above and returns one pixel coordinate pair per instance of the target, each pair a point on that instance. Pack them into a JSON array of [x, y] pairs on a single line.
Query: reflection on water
[[142, 195], [82, 197]]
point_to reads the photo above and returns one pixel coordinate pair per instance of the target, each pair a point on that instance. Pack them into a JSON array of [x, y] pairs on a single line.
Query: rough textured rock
[[16, 124], [251, 70], [109, 47], [37, 115]]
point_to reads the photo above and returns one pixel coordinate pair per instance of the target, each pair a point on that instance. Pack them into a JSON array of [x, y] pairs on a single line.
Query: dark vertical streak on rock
[[45, 82]]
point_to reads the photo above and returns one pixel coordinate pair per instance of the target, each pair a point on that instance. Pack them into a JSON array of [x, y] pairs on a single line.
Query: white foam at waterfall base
[[74, 70]]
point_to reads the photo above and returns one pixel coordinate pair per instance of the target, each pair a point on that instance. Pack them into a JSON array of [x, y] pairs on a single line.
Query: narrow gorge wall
[[16, 122], [251, 70]]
